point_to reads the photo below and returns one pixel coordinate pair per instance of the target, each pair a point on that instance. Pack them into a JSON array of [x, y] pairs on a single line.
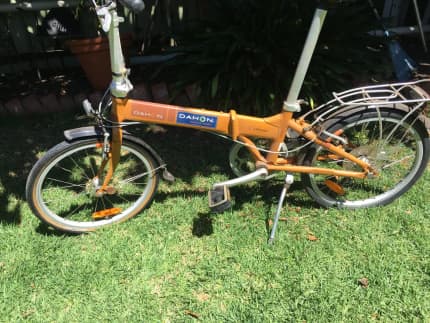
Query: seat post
[[291, 103]]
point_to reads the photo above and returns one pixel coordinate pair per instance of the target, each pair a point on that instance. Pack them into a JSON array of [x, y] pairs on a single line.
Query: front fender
[[82, 133], [97, 132]]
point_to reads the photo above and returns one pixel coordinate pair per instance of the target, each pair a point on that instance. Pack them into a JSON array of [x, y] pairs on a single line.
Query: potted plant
[[92, 47]]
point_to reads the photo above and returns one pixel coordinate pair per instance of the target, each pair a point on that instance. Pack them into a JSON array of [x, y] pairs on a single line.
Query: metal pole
[[420, 25], [289, 179], [291, 103]]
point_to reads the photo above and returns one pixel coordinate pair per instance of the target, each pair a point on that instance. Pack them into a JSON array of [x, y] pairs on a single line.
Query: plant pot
[[93, 55]]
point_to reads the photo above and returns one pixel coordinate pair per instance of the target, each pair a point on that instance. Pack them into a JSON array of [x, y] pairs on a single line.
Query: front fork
[[119, 88], [112, 157]]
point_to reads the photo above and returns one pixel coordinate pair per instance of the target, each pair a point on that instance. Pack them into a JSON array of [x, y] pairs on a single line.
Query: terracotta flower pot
[[93, 55]]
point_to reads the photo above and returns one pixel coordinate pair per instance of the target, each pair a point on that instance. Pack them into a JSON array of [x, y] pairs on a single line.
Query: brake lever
[[105, 18]]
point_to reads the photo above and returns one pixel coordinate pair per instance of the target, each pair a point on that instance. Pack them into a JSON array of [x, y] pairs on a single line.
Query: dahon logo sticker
[[198, 120]]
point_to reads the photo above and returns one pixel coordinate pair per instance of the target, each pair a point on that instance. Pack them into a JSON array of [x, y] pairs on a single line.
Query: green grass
[[176, 262]]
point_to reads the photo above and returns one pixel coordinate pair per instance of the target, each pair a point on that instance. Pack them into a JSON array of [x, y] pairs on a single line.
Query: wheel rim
[[66, 189], [394, 148]]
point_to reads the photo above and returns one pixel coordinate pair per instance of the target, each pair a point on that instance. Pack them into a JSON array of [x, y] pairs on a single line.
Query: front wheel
[[61, 188], [396, 146]]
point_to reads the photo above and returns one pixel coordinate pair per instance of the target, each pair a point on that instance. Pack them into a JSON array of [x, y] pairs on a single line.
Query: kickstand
[[289, 179]]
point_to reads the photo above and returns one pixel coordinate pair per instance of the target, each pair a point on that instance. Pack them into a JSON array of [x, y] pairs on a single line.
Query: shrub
[[245, 55]]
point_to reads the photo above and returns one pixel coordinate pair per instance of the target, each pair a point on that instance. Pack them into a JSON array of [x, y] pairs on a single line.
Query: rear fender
[[351, 110]]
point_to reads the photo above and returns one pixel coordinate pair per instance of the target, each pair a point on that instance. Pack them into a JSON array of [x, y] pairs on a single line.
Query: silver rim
[[141, 178], [390, 156]]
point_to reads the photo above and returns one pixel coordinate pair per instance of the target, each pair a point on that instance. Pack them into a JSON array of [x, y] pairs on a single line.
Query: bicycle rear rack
[[406, 94]]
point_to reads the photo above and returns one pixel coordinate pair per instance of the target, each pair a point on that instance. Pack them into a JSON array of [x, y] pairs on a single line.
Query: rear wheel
[[61, 188], [398, 148]]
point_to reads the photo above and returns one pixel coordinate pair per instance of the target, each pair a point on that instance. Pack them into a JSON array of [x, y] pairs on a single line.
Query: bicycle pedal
[[334, 187], [103, 214], [219, 199]]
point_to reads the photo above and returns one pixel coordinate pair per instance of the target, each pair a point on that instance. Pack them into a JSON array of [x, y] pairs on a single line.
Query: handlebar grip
[[134, 5]]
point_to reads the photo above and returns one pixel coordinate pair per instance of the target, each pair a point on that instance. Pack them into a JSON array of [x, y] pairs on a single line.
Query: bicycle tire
[[398, 146], [61, 187]]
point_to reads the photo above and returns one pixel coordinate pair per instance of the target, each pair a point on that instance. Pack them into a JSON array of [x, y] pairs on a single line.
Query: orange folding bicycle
[[365, 147]]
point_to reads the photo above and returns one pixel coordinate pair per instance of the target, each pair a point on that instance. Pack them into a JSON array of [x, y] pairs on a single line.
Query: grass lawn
[[177, 262]]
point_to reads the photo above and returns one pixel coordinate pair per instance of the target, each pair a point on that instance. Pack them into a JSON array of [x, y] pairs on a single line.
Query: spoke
[[75, 196], [74, 210], [379, 143], [133, 178], [127, 159], [123, 198], [62, 168], [66, 186], [380, 124], [90, 159], [73, 160], [408, 130], [95, 207], [103, 202], [397, 161], [397, 126], [67, 183], [364, 127], [405, 136], [134, 194]]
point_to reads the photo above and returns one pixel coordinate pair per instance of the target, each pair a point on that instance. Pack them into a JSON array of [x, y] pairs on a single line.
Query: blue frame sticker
[[198, 120]]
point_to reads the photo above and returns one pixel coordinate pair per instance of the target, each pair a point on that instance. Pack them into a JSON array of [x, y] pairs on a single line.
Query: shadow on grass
[[9, 215], [269, 193], [21, 141], [46, 230], [202, 225], [187, 153]]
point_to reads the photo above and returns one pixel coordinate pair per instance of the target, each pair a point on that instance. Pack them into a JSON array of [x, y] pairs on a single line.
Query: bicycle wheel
[[61, 188], [397, 148]]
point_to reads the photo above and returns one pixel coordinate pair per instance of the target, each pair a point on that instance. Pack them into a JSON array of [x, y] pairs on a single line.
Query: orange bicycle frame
[[238, 127]]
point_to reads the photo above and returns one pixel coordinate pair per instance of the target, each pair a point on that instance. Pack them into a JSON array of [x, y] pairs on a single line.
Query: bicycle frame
[[236, 126]]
